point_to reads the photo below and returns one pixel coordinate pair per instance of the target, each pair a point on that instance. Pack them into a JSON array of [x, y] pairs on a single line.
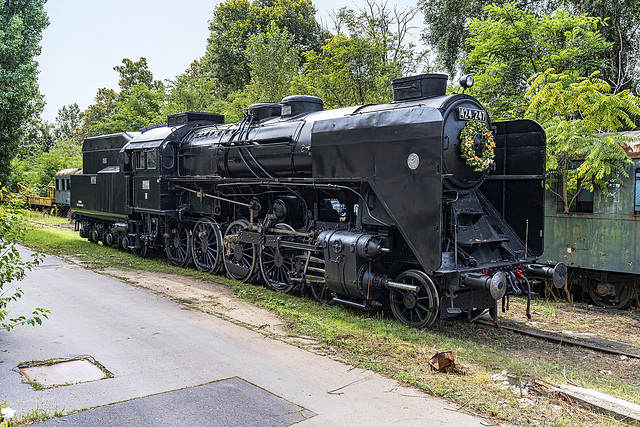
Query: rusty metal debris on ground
[[445, 362]]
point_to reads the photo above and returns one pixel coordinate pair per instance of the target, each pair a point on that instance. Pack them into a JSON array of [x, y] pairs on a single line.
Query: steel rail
[[562, 339]]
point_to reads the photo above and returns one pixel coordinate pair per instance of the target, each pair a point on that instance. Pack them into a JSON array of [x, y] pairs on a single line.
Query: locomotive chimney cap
[[419, 87], [300, 104], [265, 110]]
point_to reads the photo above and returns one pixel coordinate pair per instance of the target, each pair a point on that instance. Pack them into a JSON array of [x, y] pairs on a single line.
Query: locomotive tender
[[371, 206]]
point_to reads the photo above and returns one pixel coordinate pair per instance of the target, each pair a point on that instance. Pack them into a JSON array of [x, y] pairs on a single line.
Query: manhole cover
[[63, 372]]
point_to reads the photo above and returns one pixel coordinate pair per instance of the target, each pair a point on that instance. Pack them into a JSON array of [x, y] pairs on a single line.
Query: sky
[[86, 39]]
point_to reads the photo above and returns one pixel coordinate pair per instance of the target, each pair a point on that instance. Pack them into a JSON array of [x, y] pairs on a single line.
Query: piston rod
[[402, 286]]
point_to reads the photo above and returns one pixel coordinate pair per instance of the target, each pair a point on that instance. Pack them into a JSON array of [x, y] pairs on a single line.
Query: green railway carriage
[[599, 239]]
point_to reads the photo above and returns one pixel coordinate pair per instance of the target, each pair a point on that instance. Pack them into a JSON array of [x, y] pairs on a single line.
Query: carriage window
[[151, 159], [58, 184], [636, 208], [140, 157], [584, 202]]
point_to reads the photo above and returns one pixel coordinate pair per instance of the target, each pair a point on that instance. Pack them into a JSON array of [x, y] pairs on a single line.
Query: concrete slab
[[599, 400], [154, 345], [63, 373], [235, 403]]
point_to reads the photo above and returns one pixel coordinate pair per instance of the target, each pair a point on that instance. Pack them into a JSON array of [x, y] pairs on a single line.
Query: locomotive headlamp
[[466, 81]]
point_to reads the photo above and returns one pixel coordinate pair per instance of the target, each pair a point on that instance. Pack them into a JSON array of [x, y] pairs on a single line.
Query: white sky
[[86, 39]]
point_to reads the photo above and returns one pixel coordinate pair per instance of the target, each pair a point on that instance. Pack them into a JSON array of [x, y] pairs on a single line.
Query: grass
[[34, 416], [380, 343]]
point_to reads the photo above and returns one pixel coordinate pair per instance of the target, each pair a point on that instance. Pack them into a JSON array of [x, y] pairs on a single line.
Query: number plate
[[471, 114]]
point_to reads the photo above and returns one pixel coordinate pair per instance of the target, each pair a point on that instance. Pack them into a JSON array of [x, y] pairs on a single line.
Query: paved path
[[175, 366]]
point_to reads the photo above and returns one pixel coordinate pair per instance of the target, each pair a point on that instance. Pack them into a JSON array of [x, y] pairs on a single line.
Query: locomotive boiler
[[422, 206]]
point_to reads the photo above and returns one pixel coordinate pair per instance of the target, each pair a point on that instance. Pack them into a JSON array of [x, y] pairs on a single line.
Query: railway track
[[562, 339]]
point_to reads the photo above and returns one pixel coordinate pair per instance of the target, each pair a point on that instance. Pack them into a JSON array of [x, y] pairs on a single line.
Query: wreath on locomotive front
[[477, 146]]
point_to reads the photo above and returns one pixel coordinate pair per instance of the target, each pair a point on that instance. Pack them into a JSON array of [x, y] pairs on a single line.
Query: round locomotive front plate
[[413, 161]]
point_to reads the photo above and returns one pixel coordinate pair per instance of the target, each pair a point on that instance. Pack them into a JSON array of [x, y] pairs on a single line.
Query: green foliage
[[349, 71], [575, 112], [21, 26], [95, 117], [235, 21], [37, 137], [138, 107], [38, 171], [621, 28], [447, 23], [41, 156], [13, 268], [67, 124], [193, 90], [447, 26], [139, 103], [389, 27], [274, 61], [134, 73], [510, 45]]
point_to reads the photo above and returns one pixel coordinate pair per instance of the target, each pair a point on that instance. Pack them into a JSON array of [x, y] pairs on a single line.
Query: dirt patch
[[212, 298]]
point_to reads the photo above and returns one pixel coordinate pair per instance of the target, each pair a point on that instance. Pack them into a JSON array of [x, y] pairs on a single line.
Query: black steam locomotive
[[372, 206]]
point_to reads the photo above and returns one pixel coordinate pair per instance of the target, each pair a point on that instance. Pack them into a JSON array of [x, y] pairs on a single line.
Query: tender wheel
[[610, 295], [276, 267], [178, 244], [239, 258], [419, 310], [207, 245]]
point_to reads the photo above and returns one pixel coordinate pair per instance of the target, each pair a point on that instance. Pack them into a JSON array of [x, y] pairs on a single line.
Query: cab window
[[151, 159], [140, 159]]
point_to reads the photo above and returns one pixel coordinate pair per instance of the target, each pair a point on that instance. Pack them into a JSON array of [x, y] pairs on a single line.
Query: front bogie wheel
[[416, 309]]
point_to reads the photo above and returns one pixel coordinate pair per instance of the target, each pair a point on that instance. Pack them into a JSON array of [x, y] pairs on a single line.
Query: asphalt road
[[176, 366]]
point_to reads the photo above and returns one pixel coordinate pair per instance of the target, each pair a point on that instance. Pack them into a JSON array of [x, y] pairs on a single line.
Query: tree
[[447, 26], [67, 124], [274, 61], [235, 21], [133, 73], [357, 65], [193, 90], [138, 104], [21, 26], [137, 108], [349, 71], [622, 29], [391, 27], [13, 267], [447, 23], [576, 112], [97, 114], [511, 45]]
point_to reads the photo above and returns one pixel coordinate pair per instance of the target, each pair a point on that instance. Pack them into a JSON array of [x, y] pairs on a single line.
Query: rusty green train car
[[599, 239]]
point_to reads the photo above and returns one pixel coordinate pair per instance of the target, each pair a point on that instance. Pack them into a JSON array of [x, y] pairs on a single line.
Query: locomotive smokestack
[[419, 87]]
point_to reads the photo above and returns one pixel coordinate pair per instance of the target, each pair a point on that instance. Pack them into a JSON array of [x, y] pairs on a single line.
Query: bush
[[12, 267]]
